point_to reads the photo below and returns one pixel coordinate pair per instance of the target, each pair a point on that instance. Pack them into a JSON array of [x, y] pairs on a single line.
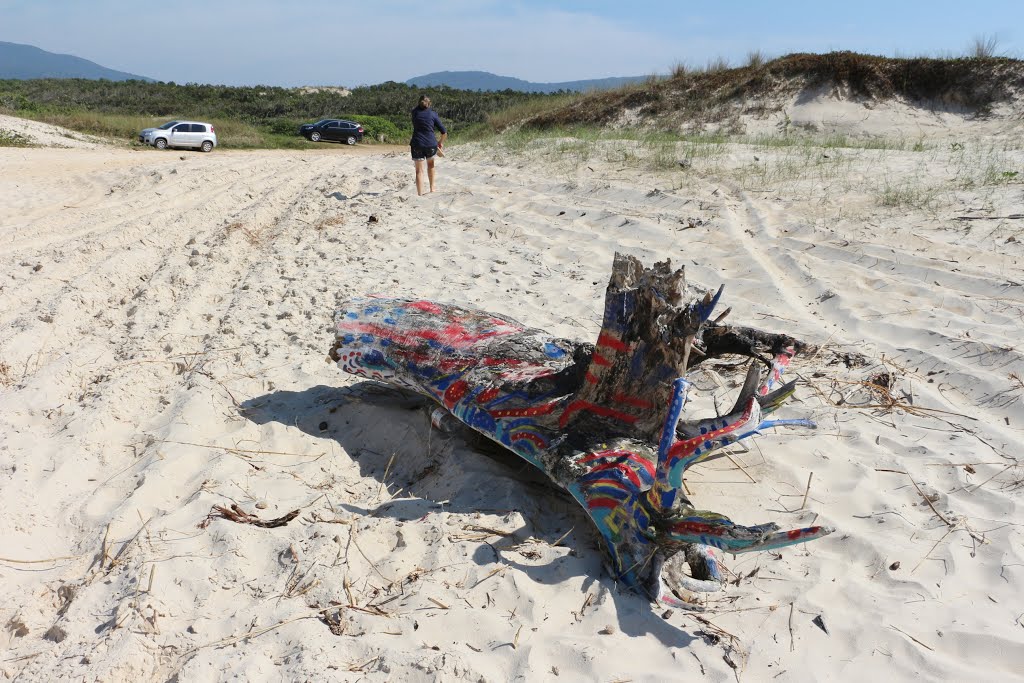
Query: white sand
[[46, 135], [144, 295]]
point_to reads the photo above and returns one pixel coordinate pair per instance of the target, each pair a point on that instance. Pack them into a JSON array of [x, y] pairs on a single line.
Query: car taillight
[[211, 129], [360, 129]]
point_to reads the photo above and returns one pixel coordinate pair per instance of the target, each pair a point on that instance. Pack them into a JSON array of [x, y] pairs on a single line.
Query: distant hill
[[482, 80], [21, 62]]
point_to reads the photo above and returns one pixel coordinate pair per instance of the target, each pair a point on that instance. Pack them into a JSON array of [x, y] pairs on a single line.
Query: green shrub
[[284, 126], [374, 127], [15, 102]]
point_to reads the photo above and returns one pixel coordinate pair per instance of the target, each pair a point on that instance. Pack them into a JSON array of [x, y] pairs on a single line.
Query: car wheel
[[314, 136], [207, 146], [351, 139], [160, 143]]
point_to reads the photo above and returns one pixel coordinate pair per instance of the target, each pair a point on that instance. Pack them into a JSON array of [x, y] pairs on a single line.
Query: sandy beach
[[164, 323]]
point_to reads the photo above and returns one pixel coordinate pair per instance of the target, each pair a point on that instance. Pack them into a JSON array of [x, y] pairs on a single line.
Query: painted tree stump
[[603, 420]]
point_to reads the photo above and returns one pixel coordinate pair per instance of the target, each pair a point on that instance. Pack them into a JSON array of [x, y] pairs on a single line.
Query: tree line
[[269, 107]]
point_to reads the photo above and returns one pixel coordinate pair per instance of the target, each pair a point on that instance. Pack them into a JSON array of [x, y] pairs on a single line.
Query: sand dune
[[165, 318]]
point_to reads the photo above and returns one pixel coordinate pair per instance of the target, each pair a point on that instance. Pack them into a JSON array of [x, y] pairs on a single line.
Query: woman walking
[[424, 145]]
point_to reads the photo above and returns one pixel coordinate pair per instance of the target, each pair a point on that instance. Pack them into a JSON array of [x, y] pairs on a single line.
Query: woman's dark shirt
[[423, 122]]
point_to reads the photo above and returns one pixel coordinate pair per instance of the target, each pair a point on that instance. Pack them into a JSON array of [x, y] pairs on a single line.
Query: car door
[[332, 131], [180, 135], [196, 134], [347, 129]]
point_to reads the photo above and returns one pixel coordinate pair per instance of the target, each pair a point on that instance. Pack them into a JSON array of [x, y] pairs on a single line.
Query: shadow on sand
[[387, 433]]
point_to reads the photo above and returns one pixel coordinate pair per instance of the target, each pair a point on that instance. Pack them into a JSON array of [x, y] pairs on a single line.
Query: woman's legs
[[420, 163]]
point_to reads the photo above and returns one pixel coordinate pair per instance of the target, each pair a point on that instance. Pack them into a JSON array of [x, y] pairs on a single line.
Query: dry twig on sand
[[911, 637], [953, 526], [880, 387], [237, 514], [46, 561]]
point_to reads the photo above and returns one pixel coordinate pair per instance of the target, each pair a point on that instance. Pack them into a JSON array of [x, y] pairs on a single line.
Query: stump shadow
[[387, 433]]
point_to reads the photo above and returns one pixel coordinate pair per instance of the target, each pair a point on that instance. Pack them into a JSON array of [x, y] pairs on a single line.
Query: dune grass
[[706, 143], [890, 173], [514, 116], [905, 193]]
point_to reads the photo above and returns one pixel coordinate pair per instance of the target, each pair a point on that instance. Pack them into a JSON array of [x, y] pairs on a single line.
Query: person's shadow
[[387, 432]]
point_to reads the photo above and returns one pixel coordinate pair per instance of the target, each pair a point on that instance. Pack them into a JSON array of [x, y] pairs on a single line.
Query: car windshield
[[168, 125], [322, 121]]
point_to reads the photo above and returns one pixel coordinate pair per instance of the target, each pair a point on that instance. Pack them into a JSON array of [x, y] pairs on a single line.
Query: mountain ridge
[[487, 81], [25, 62]]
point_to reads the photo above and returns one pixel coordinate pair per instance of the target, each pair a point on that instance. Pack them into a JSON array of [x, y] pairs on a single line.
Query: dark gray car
[[336, 130]]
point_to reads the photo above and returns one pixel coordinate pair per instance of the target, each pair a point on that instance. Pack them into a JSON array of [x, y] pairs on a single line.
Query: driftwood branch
[[236, 514], [1011, 217]]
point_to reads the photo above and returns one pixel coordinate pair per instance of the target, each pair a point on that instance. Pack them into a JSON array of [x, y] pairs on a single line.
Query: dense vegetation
[[244, 116], [698, 101]]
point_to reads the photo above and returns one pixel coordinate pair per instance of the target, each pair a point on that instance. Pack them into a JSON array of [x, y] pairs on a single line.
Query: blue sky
[[338, 42]]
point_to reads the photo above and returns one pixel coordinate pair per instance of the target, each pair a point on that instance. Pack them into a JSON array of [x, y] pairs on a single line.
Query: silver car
[[196, 134]]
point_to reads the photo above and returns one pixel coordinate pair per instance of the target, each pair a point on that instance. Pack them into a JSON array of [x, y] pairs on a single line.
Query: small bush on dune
[[9, 138]]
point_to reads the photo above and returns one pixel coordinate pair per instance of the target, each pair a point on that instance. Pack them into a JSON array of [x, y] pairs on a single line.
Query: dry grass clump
[[6, 375], [117, 126], [984, 47], [756, 59], [329, 222], [906, 194], [254, 237], [717, 65], [528, 110]]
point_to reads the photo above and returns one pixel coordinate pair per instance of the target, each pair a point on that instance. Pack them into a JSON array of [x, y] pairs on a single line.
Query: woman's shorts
[[421, 153]]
